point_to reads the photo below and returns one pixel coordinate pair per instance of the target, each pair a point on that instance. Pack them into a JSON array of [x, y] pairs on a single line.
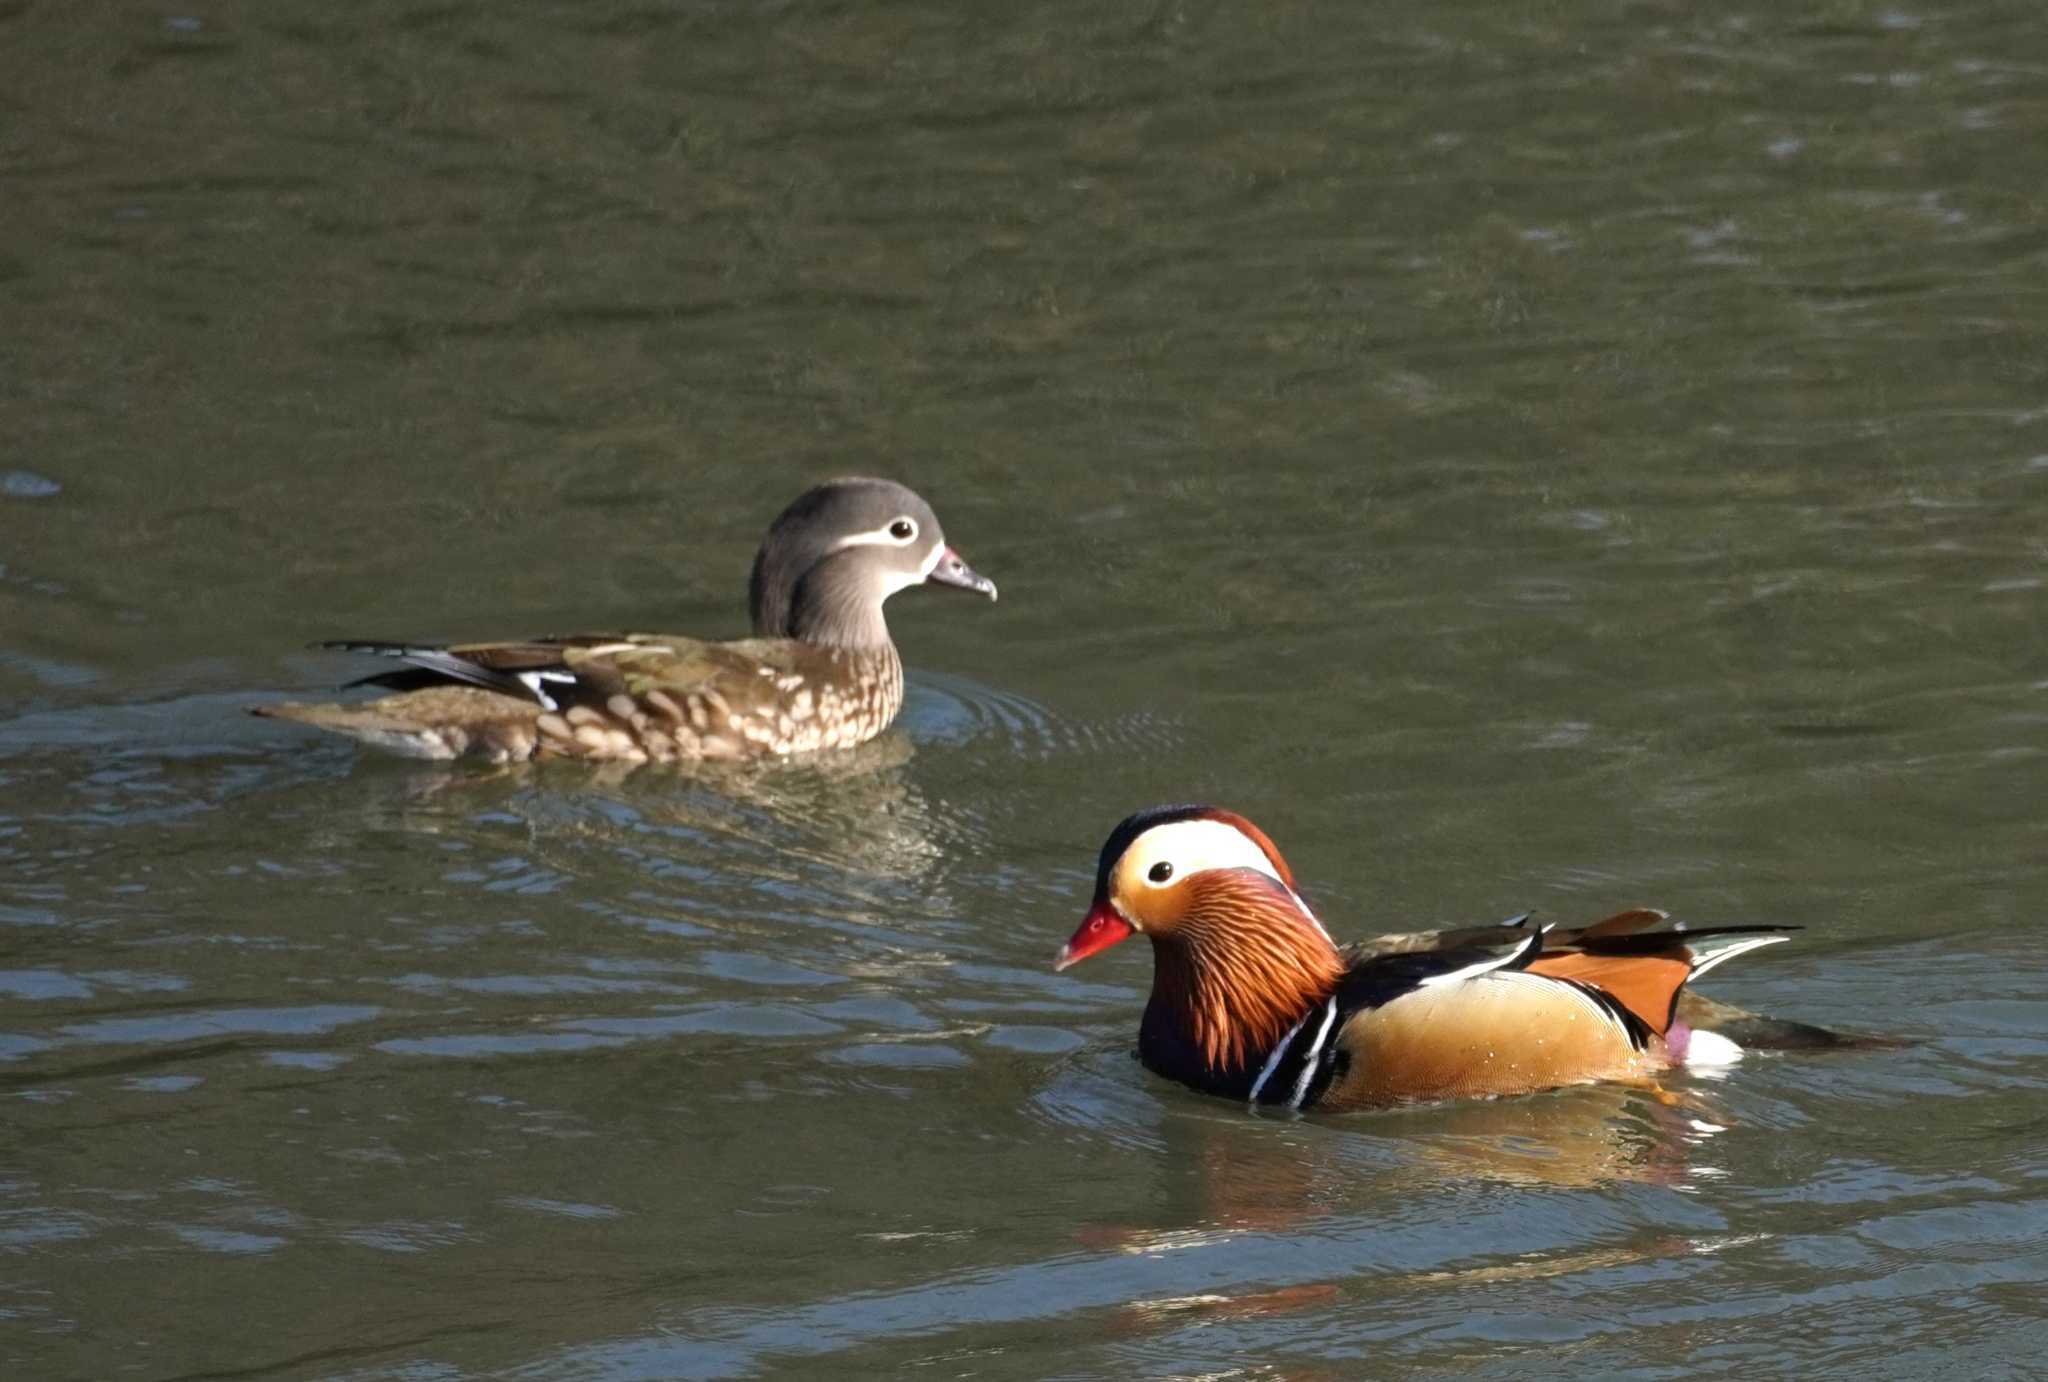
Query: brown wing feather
[[633, 697], [1647, 985], [524, 654], [1620, 924], [1455, 938]]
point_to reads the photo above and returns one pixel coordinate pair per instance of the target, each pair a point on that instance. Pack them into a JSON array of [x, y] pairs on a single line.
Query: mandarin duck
[[820, 671], [1251, 998]]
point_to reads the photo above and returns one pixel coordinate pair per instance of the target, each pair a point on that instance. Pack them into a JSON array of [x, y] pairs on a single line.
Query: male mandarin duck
[[820, 671], [1251, 999]]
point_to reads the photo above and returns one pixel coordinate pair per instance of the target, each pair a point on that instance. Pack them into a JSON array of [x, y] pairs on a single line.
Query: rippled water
[[1565, 460]]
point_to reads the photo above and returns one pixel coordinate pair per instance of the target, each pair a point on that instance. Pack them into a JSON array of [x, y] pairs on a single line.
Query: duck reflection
[[855, 811], [1252, 1174], [1268, 1176]]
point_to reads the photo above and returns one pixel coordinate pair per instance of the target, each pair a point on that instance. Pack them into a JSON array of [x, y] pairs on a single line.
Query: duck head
[[1237, 955], [838, 552], [1163, 866]]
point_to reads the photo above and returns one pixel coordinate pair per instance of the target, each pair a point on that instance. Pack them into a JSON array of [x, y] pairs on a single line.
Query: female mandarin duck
[[819, 673], [1252, 999]]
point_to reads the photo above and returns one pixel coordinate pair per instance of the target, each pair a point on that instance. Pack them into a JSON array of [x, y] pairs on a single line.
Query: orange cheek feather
[[1099, 930]]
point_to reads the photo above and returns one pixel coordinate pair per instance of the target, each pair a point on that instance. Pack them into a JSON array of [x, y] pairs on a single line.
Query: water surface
[[1562, 461]]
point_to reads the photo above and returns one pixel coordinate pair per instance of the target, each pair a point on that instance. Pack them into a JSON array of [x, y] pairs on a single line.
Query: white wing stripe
[[1704, 963], [532, 682], [1487, 966]]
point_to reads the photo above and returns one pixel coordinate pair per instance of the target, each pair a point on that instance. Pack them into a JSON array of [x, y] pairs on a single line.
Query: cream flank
[[1584, 999], [1491, 972]]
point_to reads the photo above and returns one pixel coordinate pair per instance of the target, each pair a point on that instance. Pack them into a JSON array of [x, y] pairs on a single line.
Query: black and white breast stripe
[[1300, 1066]]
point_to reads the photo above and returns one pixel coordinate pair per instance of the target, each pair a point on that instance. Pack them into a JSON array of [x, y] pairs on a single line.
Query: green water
[[1560, 457]]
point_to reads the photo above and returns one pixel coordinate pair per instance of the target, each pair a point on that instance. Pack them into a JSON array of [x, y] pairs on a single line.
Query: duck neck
[[1227, 984], [832, 607]]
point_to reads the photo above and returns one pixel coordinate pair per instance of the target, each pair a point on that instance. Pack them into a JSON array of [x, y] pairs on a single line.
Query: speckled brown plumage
[[822, 672]]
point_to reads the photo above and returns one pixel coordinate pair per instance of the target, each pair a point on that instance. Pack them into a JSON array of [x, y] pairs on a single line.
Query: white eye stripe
[[884, 537], [1192, 846]]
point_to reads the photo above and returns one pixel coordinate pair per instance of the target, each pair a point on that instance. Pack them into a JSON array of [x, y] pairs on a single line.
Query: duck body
[[821, 672], [640, 697], [1252, 1000]]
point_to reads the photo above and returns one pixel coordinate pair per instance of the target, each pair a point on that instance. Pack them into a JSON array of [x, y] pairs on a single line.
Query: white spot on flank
[[532, 682], [1711, 1048]]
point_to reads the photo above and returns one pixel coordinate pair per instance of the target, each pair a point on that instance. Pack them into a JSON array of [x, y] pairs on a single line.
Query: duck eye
[[903, 530], [1160, 872]]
